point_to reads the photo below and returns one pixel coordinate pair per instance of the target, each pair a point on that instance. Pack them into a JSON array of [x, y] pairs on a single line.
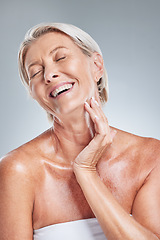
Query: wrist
[[83, 172], [83, 168]]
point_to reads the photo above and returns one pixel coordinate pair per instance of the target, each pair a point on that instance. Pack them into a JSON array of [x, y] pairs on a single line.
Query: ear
[[98, 66]]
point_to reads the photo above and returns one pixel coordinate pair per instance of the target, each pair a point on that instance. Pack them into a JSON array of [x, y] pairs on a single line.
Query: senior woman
[[81, 179]]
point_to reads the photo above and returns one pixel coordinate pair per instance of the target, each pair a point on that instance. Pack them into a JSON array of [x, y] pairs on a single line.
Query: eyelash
[[61, 58], [35, 74]]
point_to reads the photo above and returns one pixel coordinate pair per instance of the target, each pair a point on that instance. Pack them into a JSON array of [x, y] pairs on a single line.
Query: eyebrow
[[55, 49], [32, 64], [51, 52]]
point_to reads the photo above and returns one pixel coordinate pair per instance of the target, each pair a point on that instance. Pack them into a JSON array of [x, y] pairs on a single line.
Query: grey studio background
[[128, 32]]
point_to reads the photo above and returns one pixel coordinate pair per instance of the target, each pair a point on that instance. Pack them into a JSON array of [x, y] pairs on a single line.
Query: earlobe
[[98, 66]]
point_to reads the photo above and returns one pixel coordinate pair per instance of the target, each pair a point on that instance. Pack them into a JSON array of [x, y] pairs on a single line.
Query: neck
[[72, 134]]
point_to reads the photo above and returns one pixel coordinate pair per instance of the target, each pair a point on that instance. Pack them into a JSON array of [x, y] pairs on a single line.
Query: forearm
[[114, 220]]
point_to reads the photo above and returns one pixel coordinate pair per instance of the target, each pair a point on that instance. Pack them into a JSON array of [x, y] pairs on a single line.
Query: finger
[[102, 127], [101, 124], [100, 121], [106, 133], [91, 112], [97, 108], [99, 112], [95, 111]]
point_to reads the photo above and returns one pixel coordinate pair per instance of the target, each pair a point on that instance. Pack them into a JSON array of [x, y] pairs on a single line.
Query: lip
[[59, 85]]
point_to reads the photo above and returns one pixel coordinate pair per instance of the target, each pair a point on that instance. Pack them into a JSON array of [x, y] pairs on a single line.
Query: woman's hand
[[90, 155]]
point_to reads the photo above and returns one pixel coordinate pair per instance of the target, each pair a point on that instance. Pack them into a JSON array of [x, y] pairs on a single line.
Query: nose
[[49, 76], [48, 80]]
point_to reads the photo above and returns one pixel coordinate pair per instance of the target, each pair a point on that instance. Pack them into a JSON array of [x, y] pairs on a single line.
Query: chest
[[59, 198]]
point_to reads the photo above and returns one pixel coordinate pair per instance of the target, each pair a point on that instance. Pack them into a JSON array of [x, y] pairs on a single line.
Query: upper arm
[[16, 201], [146, 207]]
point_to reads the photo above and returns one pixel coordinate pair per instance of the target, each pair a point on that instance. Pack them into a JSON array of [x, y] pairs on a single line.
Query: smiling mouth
[[64, 88]]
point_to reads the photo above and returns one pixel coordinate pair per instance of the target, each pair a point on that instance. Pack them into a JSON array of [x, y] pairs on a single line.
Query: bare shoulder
[[20, 172], [17, 192], [15, 163], [145, 147], [16, 172], [146, 205], [24, 160]]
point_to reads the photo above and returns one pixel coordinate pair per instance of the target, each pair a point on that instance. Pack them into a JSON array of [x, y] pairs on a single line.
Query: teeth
[[60, 89]]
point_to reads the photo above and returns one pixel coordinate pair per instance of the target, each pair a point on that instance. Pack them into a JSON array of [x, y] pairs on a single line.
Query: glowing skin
[[62, 59], [81, 167], [52, 61]]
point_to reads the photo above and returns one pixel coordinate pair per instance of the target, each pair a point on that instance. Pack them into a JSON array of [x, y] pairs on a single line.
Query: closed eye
[[35, 74], [61, 58]]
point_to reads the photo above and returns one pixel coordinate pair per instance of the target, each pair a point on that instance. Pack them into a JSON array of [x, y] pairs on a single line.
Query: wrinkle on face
[[77, 67]]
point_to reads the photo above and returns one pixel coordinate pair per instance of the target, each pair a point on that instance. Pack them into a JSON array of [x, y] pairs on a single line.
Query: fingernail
[[96, 117], [87, 104], [95, 101]]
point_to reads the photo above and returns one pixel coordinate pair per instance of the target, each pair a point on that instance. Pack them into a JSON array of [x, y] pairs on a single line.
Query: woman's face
[[61, 77]]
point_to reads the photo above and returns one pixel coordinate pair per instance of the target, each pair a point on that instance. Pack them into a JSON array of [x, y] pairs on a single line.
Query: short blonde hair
[[82, 39]]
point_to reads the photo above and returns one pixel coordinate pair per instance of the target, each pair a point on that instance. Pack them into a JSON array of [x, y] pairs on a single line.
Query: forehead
[[53, 38], [48, 42]]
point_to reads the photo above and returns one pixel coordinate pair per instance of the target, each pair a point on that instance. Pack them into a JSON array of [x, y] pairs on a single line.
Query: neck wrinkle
[[70, 141]]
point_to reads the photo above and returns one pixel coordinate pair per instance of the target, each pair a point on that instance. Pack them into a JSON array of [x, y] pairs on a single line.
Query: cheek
[[36, 91], [32, 90], [77, 67], [73, 67]]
